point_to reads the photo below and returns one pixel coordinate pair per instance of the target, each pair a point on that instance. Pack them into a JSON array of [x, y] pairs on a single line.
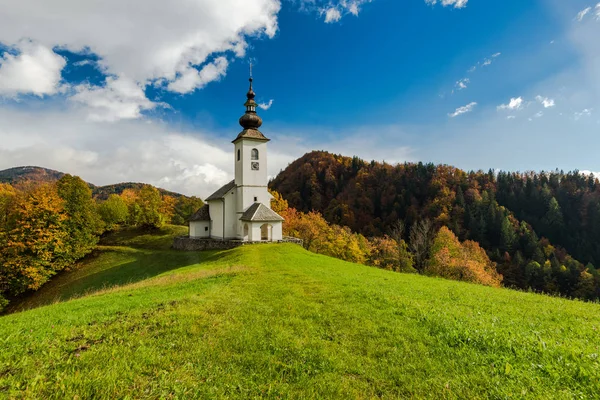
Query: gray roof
[[260, 212], [202, 214], [219, 194], [251, 133]]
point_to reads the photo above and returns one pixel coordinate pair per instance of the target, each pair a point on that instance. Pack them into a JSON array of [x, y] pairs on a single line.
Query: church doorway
[[265, 232], [246, 232]]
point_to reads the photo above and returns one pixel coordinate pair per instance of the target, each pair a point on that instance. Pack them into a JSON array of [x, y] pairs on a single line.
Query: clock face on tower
[[254, 166]]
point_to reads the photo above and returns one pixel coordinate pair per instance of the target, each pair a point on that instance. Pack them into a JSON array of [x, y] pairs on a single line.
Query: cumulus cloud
[[463, 110], [449, 3], [266, 106], [189, 162], [513, 104], [120, 98], [597, 12], [192, 79], [35, 69], [143, 41]]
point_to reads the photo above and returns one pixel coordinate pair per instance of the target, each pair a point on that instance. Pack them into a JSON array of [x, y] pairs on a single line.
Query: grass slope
[[277, 321]]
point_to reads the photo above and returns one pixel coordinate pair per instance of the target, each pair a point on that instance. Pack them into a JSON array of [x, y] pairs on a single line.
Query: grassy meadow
[[138, 320]]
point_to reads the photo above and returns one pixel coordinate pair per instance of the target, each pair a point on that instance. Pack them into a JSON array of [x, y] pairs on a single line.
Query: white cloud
[[84, 62], [143, 41], [513, 104], [353, 9], [597, 12], [462, 84], [484, 63], [463, 110], [266, 106], [584, 113], [594, 174], [35, 69], [539, 115], [332, 15], [189, 162], [450, 3], [511, 117], [545, 101], [333, 10], [120, 98], [192, 79], [581, 14]]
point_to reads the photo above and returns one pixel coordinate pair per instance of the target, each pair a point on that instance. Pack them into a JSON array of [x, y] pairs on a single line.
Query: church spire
[[250, 121]]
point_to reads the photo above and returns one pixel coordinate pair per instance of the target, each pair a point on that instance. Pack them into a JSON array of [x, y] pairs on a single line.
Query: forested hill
[[19, 175], [29, 173], [543, 229]]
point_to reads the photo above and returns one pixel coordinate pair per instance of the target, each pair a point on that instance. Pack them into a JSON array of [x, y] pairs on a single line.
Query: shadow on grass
[[144, 238], [109, 267]]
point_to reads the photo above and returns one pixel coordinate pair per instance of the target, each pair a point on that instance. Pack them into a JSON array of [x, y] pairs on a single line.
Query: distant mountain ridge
[[29, 173], [18, 175]]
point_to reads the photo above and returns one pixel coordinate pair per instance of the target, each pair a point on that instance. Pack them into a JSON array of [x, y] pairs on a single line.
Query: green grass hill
[[138, 320]]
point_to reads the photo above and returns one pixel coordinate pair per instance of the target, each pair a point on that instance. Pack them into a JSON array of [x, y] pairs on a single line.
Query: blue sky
[[151, 92]]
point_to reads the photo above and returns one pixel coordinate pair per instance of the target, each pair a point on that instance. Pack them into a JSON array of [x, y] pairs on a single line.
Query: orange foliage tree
[[462, 262]]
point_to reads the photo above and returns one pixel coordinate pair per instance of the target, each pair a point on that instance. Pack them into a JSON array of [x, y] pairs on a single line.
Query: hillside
[[277, 321], [38, 174], [35, 174], [540, 228]]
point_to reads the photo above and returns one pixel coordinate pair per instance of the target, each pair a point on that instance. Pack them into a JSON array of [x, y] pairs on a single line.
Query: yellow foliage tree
[[33, 241], [7, 195], [278, 203]]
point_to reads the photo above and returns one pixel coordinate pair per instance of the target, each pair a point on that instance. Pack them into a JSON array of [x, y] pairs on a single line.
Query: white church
[[241, 210]]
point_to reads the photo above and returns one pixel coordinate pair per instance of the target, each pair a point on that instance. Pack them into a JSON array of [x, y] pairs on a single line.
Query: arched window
[[239, 155], [254, 154]]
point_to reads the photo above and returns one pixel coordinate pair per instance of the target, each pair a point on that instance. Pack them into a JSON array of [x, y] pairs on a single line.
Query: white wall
[[231, 217], [198, 229], [277, 231], [216, 215], [246, 194], [256, 231]]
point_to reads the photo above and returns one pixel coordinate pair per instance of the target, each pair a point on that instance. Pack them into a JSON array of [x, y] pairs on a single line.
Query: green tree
[[113, 211], [184, 208], [82, 224], [149, 203], [508, 236]]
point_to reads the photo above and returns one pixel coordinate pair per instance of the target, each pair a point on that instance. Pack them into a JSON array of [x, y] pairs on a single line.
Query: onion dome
[[250, 121]]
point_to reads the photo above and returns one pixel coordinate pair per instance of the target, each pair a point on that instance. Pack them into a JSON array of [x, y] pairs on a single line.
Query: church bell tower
[[250, 157]]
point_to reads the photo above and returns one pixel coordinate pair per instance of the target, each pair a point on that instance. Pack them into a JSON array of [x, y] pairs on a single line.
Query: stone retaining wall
[[187, 243]]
